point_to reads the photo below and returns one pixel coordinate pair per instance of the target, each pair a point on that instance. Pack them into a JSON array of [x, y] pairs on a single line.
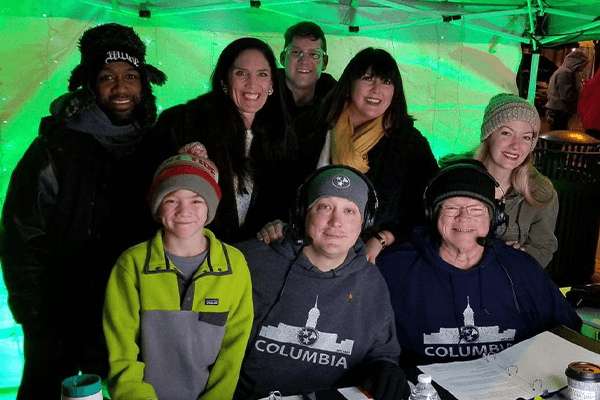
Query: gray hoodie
[[564, 89], [313, 330]]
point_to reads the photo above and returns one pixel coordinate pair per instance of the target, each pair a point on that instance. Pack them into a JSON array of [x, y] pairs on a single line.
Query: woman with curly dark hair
[[243, 124]]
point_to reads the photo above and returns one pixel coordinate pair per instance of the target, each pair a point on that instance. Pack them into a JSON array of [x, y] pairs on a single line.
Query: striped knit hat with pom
[[505, 107], [191, 170]]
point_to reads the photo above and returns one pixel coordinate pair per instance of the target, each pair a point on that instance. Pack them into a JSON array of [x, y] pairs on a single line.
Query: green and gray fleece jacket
[[166, 346]]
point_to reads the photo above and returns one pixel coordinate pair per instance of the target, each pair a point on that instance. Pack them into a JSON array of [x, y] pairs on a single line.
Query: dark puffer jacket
[[71, 209]]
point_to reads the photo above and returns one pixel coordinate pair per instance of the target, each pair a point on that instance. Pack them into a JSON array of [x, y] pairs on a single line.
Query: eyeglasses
[[315, 54], [454, 211]]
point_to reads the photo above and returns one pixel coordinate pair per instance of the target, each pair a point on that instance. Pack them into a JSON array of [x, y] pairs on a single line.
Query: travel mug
[[82, 387]]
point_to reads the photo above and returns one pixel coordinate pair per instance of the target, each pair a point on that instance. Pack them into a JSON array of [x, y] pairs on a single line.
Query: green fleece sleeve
[[121, 322], [226, 369]]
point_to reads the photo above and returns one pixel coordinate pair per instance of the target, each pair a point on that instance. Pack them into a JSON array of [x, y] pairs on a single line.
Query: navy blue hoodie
[[446, 314]]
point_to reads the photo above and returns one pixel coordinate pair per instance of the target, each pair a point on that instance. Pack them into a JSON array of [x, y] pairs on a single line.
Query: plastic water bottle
[[424, 389]]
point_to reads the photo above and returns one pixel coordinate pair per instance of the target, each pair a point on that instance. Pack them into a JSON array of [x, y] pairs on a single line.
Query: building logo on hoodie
[[305, 343], [472, 340]]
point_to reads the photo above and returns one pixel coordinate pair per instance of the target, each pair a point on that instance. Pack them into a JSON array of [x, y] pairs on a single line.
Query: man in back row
[[304, 58], [76, 200]]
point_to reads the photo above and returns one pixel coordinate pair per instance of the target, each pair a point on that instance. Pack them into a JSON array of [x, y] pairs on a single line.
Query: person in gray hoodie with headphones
[[323, 317]]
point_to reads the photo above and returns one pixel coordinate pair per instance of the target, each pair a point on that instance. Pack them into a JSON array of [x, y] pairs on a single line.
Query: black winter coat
[[71, 209], [271, 162], [324, 85], [401, 165]]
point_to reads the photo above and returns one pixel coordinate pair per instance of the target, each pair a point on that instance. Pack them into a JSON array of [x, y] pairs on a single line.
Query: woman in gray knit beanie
[[509, 132]]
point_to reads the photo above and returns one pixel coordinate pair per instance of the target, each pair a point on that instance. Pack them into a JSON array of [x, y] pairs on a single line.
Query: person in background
[[75, 202], [509, 133], [304, 58], [178, 309], [457, 292], [323, 318], [564, 89], [244, 125], [588, 106]]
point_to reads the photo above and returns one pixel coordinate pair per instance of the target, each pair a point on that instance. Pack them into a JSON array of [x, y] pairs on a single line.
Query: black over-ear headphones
[[498, 217], [300, 208]]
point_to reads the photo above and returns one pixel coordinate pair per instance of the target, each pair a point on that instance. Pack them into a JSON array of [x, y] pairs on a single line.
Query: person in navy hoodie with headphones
[[323, 317], [458, 293]]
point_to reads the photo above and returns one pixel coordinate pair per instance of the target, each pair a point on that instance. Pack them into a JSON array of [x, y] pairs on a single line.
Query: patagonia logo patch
[[211, 302]]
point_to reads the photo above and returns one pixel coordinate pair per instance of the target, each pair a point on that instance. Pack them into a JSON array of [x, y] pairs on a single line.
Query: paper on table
[[527, 369], [352, 393]]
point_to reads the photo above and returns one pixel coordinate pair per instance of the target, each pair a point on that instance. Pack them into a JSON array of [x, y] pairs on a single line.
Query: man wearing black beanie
[[75, 202], [458, 292]]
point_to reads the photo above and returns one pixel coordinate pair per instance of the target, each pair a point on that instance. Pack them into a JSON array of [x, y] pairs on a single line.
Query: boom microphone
[[484, 241], [304, 241]]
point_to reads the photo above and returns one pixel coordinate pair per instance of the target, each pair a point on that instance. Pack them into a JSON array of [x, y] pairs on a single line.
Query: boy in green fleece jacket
[[178, 308]]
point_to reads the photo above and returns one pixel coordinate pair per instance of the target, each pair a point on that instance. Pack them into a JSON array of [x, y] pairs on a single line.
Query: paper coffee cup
[[583, 380], [82, 387]]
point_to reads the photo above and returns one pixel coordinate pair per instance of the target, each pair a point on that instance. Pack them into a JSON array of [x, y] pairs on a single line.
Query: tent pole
[[535, 57], [541, 7], [204, 8], [533, 72], [569, 34], [399, 25], [532, 26], [493, 14], [341, 27], [401, 7], [569, 14]]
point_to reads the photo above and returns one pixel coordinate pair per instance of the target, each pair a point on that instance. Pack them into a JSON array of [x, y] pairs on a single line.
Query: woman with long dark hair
[[243, 124], [364, 123]]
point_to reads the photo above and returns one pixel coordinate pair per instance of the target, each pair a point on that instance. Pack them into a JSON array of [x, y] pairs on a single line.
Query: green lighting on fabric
[[448, 71]]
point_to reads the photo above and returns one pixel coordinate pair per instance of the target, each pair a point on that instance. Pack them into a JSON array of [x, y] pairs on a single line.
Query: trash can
[[569, 141], [572, 162]]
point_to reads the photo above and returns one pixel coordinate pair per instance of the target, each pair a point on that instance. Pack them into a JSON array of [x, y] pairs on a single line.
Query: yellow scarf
[[351, 147]]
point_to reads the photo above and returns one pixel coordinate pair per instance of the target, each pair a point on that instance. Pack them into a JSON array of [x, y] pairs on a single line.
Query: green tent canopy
[[453, 56]]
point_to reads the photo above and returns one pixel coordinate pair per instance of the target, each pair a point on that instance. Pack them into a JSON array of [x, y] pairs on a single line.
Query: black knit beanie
[[99, 46], [107, 43], [463, 178]]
